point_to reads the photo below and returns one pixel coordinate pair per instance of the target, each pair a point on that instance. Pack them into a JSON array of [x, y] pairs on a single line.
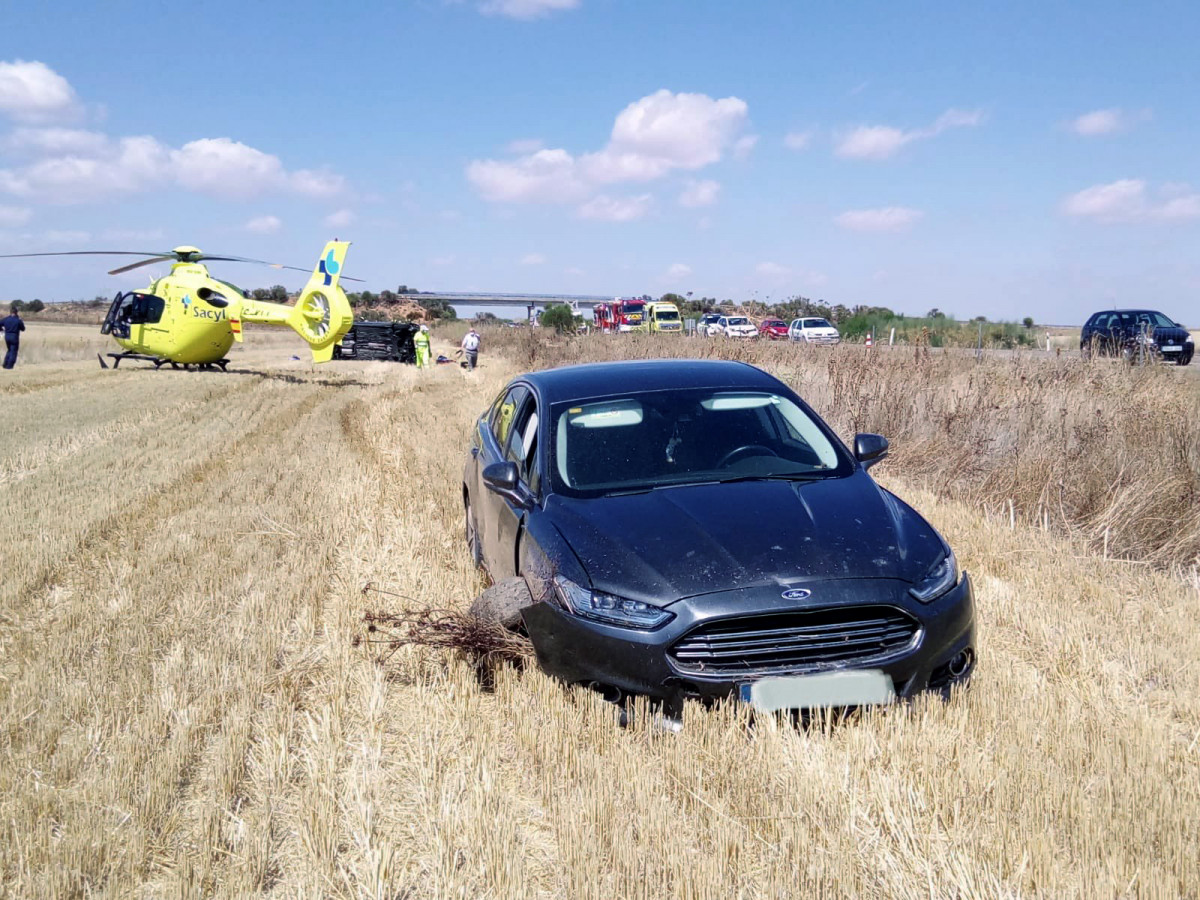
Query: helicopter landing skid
[[159, 362]]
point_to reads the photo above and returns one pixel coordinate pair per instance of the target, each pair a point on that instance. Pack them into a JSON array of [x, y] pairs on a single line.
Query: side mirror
[[503, 478], [870, 449]]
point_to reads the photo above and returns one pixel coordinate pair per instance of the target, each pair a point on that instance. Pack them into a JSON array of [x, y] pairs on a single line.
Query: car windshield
[[663, 439], [1146, 318], [667, 315], [737, 320], [773, 323], [816, 323]]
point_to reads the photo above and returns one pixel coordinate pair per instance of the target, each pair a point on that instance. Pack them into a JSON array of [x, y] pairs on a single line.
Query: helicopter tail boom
[[322, 314]]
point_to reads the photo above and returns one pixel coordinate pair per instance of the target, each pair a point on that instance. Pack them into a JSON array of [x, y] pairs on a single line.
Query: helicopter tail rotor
[[322, 314]]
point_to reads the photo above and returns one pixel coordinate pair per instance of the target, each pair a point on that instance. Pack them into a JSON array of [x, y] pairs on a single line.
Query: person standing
[[470, 346], [13, 325], [421, 344]]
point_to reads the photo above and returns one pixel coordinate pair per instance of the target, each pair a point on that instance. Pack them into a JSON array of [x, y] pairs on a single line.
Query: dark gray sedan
[[693, 529]]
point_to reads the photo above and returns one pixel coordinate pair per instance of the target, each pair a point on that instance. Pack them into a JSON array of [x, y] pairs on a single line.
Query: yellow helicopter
[[188, 318]]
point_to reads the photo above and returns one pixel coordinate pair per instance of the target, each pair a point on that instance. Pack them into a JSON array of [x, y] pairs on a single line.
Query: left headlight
[[941, 578], [609, 609]]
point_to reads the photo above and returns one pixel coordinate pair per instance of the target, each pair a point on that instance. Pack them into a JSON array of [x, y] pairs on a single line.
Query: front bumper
[[578, 650]]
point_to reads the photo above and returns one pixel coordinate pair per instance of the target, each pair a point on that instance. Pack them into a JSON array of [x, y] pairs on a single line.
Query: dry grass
[[1106, 454], [184, 712]]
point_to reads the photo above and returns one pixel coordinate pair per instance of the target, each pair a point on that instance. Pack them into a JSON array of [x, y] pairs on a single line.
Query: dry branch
[[440, 629]]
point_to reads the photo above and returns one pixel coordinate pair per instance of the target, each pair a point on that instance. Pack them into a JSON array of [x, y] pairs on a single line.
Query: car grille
[[792, 641]]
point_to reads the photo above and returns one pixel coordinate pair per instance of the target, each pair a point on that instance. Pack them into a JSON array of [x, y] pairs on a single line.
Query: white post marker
[[892, 339]]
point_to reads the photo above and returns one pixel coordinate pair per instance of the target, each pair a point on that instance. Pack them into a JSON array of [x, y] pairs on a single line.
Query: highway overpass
[[468, 304]]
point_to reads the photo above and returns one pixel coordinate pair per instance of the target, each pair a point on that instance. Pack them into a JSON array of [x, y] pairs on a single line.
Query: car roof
[[1137, 310], [638, 376]]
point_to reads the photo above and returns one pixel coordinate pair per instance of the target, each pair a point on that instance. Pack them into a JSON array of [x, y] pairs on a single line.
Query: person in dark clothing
[[12, 325]]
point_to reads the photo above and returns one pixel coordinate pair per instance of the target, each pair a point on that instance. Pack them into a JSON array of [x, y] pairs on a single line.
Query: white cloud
[[677, 272], [532, 259], [883, 141], [699, 193], [1106, 121], [660, 133], [522, 146], [1128, 200], [547, 176], [264, 225], [33, 92], [744, 145], [447, 260], [772, 270], [574, 271], [797, 140], [339, 219], [604, 208], [12, 216], [526, 9], [883, 219], [81, 167]]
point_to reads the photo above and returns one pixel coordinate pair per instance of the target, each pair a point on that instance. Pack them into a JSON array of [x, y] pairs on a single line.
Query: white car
[[813, 330], [733, 327]]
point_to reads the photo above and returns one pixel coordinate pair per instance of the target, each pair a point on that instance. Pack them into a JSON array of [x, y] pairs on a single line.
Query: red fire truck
[[622, 314]]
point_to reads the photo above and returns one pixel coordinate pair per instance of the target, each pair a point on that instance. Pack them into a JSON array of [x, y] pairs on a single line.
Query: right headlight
[[940, 579], [609, 609]]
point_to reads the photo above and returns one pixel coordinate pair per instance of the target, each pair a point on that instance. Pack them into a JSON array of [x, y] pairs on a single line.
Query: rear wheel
[[501, 604], [472, 530]]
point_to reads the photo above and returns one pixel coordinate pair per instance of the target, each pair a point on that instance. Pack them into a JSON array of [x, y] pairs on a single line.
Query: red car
[[774, 329]]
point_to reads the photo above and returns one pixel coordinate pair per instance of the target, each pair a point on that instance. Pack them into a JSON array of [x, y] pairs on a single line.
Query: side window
[[146, 309], [503, 415], [523, 445]]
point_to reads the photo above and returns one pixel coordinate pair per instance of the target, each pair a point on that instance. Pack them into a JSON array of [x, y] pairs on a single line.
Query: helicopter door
[[116, 322]]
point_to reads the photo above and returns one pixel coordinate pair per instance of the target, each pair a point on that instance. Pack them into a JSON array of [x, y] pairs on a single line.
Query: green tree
[[35, 306], [560, 317], [1027, 321], [17, 305]]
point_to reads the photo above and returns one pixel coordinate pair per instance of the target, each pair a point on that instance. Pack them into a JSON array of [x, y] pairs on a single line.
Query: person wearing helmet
[[421, 343]]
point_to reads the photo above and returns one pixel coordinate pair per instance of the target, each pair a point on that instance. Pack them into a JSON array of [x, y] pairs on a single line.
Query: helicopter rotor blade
[[138, 265], [84, 253]]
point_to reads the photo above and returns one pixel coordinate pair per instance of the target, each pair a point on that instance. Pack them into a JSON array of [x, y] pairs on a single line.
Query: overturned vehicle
[[687, 529]]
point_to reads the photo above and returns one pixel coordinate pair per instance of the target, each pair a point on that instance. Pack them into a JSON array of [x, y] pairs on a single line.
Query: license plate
[[860, 687], [1170, 349]]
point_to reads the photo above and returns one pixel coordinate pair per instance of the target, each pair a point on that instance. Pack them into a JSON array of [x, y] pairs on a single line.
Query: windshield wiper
[[777, 476]]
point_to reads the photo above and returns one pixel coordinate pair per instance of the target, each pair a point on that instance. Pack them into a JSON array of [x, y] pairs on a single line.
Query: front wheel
[[1183, 360], [501, 604]]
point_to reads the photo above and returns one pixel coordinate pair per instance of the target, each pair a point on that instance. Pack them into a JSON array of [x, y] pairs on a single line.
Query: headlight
[[609, 609], [941, 578]]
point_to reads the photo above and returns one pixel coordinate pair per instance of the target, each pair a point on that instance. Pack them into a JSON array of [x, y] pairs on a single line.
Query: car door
[[493, 440], [521, 449]]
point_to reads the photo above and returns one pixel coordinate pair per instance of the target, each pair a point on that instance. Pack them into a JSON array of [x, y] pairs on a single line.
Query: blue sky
[[1008, 160]]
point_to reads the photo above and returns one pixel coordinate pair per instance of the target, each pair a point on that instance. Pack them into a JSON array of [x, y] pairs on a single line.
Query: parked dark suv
[[1136, 335]]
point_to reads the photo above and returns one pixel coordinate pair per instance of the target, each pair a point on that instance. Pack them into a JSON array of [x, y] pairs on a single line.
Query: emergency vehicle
[[620, 315]]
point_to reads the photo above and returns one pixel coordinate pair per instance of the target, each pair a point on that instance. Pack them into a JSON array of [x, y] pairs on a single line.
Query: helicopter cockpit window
[[142, 309]]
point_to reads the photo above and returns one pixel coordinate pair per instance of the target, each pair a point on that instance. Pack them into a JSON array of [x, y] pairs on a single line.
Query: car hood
[[672, 543], [821, 332]]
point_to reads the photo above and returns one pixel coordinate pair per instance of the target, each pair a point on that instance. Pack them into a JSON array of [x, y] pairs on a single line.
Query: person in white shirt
[[470, 346]]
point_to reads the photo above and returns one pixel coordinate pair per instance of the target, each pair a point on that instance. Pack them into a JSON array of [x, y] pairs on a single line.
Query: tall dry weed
[[1105, 453]]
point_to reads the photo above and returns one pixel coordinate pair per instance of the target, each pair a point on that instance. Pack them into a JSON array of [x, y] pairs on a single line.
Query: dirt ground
[[185, 712]]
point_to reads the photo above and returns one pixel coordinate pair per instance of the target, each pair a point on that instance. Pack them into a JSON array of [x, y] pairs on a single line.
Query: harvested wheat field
[[186, 712]]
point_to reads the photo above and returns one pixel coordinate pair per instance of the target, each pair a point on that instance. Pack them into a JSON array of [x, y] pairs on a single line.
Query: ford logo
[[796, 594]]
